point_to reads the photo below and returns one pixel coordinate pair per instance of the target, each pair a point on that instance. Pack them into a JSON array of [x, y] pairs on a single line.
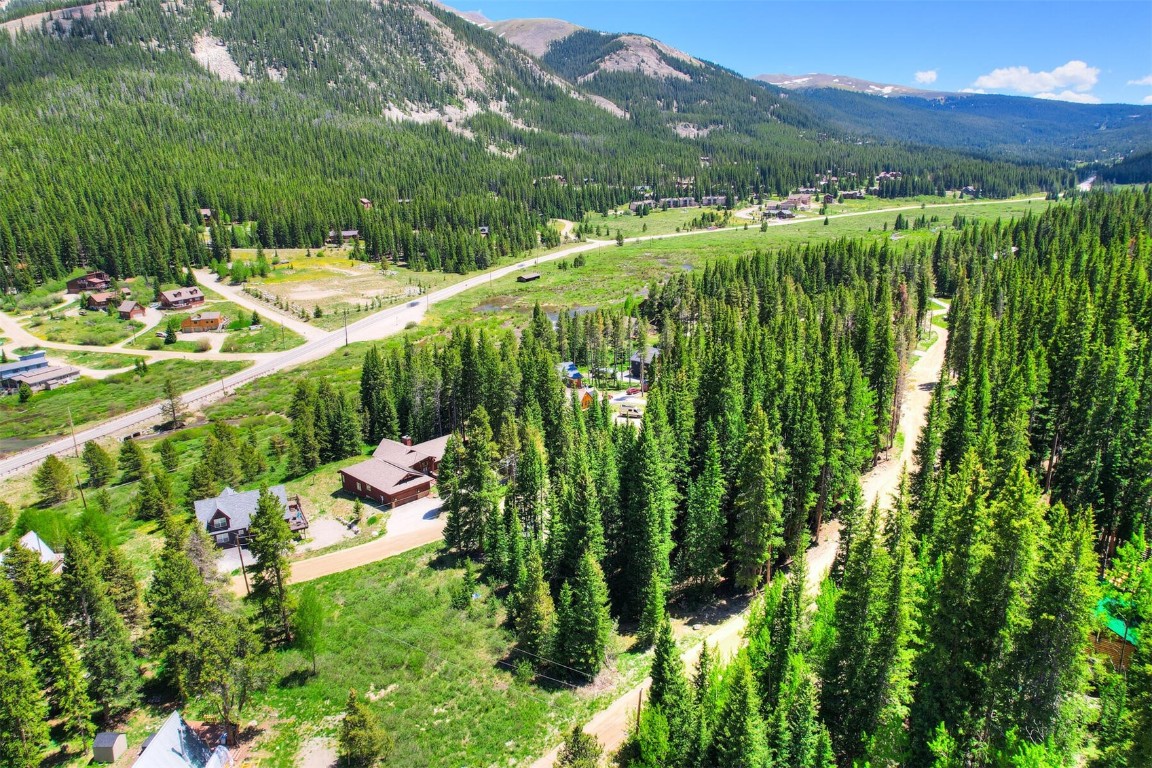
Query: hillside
[[533, 35], [285, 114], [1005, 126]]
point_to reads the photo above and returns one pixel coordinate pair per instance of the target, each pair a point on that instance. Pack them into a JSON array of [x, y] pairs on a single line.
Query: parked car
[[633, 391]]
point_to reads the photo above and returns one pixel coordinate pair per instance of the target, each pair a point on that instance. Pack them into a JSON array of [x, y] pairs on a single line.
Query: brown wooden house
[[181, 298], [203, 321], [131, 310], [398, 472], [93, 281], [99, 302]]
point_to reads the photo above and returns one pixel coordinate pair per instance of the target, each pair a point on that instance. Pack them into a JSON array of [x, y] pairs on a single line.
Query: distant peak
[[844, 83]]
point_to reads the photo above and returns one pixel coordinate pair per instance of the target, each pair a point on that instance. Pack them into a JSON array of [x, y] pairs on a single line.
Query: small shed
[[528, 277], [108, 747]]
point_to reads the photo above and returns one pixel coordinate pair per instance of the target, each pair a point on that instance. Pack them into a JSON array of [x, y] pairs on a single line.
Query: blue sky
[[1078, 51]]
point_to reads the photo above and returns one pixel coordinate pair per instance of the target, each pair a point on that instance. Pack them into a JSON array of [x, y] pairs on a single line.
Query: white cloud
[[1075, 76], [926, 77], [972, 90], [1142, 81], [1147, 99], [1079, 98]]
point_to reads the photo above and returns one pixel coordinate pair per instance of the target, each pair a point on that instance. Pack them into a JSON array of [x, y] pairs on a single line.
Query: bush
[[203, 345]]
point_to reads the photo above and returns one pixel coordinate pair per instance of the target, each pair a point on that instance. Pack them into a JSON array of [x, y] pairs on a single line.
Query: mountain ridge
[[812, 80]]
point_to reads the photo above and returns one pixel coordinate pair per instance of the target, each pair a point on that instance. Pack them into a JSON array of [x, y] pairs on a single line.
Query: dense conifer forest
[[120, 137], [956, 627]]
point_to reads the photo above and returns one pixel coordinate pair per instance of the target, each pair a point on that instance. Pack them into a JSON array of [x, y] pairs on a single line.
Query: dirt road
[[410, 526], [236, 295], [610, 725]]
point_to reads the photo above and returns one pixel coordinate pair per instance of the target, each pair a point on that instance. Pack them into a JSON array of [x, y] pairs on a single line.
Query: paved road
[[610, 725], [379, 325], [376, 326]]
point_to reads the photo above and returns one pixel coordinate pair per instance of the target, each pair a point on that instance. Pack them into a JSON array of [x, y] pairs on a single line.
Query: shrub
[[203, 345]]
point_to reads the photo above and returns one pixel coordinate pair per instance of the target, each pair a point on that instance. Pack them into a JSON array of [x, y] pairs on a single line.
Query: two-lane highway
[[378, 325]]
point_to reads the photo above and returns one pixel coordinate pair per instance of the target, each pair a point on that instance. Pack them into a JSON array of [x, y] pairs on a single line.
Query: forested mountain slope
[[117, 129], [999, 126]]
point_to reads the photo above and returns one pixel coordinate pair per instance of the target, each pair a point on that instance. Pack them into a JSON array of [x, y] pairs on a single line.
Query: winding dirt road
[[610, 725]]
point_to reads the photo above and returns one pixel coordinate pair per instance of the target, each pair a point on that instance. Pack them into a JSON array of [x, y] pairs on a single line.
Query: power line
[[453, 663], [556, 663]]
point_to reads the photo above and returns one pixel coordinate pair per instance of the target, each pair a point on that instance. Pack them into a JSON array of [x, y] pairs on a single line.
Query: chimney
[[407, 440]]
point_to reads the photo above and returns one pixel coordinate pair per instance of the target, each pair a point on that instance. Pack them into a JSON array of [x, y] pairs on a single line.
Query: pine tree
[[648, 744], [655, 611], [528, 494], [113, 679], [583, 624], [580, 750], [99, 463], [363, 740], [671, 694], [758, 505], [471, 500], [534, 612], [178, 597], [131, 461], [700, 556], [62, 669], [270, 542], [53, 480], [122, 587], [739, 737], [852, 677], [23, 713], [101, 632], [169, 455], [230, 664], [653, 509]]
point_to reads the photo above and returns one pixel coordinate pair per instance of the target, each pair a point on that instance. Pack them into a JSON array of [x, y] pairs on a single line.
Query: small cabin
[[528, 277]]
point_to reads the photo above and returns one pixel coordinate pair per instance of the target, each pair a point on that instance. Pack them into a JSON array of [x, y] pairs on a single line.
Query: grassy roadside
[[91, 400]]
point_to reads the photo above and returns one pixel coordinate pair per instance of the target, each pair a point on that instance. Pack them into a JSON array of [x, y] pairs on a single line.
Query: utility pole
[[72, 427], [345, 326]]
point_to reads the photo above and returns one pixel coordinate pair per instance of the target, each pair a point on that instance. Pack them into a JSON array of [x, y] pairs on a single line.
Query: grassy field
[[330, 280], [96, 400], [615, 272], [95, 329], [100, 361], [657, 222], [271, 338], [611, 274], [440, 677]]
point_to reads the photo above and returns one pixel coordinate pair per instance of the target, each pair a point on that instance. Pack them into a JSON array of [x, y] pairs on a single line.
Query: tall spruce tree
[[759, 506], [700, 554], [270, 542], [739, 738], [583, 624], [99, 463], [23, 711]]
